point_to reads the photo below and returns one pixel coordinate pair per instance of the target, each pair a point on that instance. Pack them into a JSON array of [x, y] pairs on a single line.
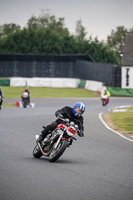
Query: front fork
[[58, 141]]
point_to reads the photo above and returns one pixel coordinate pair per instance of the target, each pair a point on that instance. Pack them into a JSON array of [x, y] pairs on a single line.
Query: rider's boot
[[42, 136], [40, 139]]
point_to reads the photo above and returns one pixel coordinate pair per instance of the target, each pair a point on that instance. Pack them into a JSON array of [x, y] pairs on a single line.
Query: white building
[[127, 62]]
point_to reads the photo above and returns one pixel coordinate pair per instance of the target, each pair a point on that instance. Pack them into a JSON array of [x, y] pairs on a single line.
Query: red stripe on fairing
[[61, 126], [64, 138]]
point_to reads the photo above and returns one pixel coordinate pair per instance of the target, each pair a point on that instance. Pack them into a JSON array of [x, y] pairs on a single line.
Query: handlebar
[[67, 121]]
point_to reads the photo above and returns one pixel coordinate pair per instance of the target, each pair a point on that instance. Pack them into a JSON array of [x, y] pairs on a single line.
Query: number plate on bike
[[71, 131]]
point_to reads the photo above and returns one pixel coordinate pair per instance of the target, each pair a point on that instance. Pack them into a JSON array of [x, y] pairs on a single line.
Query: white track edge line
[[105, 124]]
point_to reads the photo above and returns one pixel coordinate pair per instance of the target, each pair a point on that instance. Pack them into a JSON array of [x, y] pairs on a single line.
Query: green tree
[[7, 29], [80, 30], [46, 21], [101, 52], [116, 39], [47, 34]]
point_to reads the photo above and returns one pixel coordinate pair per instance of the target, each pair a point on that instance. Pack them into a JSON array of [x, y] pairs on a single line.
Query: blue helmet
[[80, 106]]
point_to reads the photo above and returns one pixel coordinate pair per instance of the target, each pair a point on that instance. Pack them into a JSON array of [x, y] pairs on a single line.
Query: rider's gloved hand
[[60, 115], [81, 134]]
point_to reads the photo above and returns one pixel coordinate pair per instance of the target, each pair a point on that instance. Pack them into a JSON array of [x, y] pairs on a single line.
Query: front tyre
[[56, 153], [37, 152]]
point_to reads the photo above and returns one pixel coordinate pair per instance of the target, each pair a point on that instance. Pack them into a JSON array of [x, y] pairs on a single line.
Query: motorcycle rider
[[1, 97], [106, 92], [105, 95], [73, 114], [28, 95]]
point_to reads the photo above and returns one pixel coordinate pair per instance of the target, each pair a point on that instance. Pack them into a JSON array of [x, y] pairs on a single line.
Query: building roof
[[127, 59]]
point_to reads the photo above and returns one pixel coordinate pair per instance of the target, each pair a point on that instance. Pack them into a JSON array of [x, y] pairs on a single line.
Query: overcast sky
[[99, 17]]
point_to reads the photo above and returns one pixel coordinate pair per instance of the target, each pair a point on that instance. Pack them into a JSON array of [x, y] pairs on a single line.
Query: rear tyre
[[37, 152], [104, 103], [55, 154], [25, 103]]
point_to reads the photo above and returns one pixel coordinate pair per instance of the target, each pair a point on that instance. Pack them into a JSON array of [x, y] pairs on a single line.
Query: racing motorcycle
[[105, 100], [56, 142], [25, 101]]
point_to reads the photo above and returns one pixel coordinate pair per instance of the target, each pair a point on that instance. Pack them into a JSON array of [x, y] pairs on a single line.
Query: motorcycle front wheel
[[56, 153], [37, 152]]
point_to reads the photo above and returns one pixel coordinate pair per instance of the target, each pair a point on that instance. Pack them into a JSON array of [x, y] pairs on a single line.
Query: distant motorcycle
[[25, 100], [56, 142], [105, 100]]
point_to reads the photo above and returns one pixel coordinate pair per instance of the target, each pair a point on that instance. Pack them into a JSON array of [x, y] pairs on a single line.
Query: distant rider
[[73, 114], [26, 94], [1, 97], [105, 95]]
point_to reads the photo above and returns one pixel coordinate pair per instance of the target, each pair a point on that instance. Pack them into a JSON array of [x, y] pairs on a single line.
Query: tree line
[[47, 34]]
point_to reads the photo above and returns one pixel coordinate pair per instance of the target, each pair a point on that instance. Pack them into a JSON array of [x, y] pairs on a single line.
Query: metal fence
[[77, 66]]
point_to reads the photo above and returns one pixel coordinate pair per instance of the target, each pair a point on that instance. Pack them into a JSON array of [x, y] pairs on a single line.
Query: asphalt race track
[[96, 167]]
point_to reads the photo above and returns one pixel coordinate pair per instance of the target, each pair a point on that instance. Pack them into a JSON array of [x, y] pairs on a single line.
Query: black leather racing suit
[[67, 113]]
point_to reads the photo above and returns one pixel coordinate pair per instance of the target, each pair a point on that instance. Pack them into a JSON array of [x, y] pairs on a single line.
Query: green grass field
[[123, 120], [42, 92], [46, 92]]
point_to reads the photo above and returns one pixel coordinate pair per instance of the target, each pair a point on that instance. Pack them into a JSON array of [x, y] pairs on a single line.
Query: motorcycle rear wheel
[[55, 154], [25, 104], [37, 152], [104, 103]]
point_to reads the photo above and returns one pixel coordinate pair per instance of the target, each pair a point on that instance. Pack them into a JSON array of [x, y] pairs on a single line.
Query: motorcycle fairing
[[64, 139], [62, 126]]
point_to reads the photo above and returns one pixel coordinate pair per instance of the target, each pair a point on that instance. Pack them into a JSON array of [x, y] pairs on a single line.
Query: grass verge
[[123, 121], [7, 105], [46, 92], [42, 92]]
